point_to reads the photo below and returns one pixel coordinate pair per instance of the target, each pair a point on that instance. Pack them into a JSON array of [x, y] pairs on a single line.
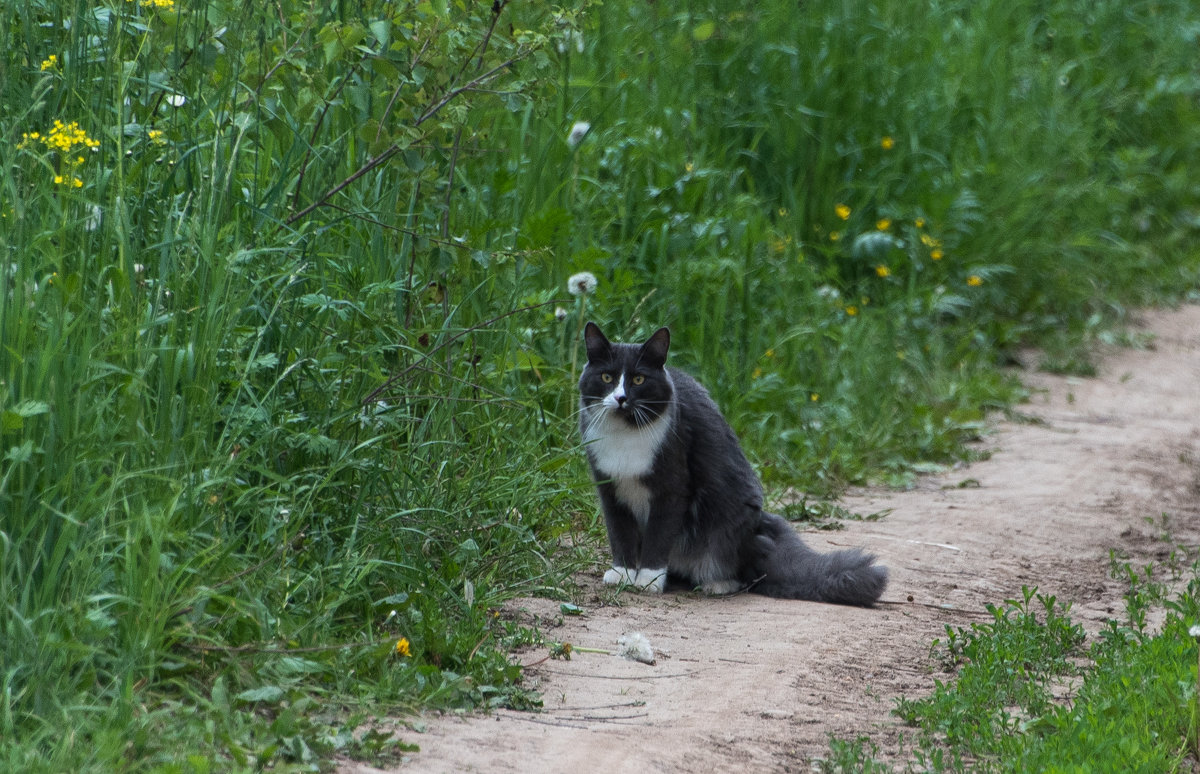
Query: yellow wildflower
[[757, 374], [835, 236], [402, 647], [919, 223], [852, 310], [937, 255], [50, 62], [883, 224], [842, 211], [887, 143], [974, 280], [814, 397], [770, 353], [883, 271]]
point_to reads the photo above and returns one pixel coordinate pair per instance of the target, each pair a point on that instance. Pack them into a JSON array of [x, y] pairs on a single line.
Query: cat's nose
[[621, 401]]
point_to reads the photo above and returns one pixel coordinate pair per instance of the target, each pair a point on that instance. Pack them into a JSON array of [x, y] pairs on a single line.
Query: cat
[[680, 500]]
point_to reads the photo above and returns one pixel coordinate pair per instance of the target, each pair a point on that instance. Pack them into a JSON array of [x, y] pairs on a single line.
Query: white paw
[[618, 575], [720, 587], [651, 580]]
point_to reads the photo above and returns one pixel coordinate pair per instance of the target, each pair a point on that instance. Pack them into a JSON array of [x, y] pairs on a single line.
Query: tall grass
[[288, 361]]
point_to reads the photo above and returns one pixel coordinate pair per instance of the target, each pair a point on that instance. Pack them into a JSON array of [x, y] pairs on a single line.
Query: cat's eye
[[606, 378], [639, 379]]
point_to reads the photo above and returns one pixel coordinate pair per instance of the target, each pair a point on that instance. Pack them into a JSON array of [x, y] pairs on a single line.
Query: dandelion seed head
[[635, 646], [582, 284], [579, 130]]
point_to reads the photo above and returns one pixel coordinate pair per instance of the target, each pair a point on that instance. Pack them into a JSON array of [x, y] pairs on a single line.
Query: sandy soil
[[746, 683]]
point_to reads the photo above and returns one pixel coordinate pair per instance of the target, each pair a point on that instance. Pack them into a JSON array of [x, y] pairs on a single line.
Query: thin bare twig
[[429, 355], [395, 148]]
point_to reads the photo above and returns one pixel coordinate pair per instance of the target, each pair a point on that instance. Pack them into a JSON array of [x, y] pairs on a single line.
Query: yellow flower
[[156, 136], [814, 397], [688, 167], [402, 647], [58, 179], [757, 374], [937, 255], [887, 143], [974, 280], [783, 211], [883, 224], [883, 271], [835, 236], [852, 310], [50, 62], [770, 353], [928, 241], [842, 211], [919, 223]]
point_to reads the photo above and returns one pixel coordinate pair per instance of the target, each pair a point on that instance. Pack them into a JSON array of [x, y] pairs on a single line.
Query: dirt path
[[753, 684]]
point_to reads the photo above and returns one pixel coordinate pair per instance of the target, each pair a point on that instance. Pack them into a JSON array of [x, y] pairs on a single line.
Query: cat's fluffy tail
[[785, 567]]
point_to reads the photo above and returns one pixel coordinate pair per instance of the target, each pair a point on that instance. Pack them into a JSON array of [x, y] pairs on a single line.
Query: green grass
[[287, 344], [1027, 692]]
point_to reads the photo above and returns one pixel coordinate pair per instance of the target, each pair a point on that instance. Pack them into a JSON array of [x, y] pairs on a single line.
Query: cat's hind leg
[[719, 588]]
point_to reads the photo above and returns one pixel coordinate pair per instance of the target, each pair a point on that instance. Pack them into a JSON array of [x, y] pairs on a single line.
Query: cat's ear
[[598, 347], [654, 351]]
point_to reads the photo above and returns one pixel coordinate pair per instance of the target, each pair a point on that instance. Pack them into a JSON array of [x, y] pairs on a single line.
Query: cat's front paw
[[616, 576], [652, 580], [720, 587]]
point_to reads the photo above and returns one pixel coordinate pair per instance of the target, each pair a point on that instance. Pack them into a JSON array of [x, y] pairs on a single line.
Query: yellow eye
[[639, 379], [606, 378]]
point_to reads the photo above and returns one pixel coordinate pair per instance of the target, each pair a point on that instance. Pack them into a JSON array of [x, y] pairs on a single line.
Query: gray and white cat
[[678, 495]]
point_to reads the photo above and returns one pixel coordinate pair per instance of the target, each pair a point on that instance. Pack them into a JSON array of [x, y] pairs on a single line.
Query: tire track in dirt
[[747, 683]]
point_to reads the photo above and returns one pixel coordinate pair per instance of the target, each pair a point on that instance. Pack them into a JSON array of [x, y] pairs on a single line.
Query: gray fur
[[705, 521]]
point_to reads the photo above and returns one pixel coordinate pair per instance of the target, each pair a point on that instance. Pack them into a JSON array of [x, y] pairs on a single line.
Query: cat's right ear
[[654, 351], [598, 346]]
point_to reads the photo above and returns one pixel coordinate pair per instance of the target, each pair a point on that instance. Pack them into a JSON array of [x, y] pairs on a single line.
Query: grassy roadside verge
[[1029, 691], [288, 352]]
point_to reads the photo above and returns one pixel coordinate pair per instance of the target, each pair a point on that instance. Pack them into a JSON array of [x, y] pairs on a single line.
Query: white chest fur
[[624, 453], [620, 450]]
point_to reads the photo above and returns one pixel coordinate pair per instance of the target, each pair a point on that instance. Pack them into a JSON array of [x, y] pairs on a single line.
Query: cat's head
[[629, 381]]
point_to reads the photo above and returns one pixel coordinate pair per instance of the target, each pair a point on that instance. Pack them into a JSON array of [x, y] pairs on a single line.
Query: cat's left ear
[[654, 351], [597, 344]]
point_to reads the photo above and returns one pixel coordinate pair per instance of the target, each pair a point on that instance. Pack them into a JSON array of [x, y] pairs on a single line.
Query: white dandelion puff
[[635, 646], [560, 314], [582, 284], [578, 131]]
